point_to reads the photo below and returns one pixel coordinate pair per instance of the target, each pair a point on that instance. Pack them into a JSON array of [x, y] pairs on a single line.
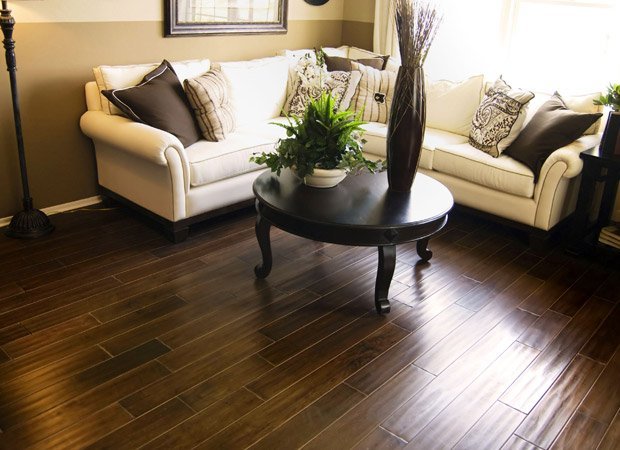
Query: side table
[[597, 168]]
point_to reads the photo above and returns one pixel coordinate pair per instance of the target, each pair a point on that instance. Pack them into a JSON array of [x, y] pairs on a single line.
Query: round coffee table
[[360, 211]]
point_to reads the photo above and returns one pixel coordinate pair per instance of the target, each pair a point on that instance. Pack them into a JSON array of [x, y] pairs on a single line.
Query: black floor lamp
[[29, 223]]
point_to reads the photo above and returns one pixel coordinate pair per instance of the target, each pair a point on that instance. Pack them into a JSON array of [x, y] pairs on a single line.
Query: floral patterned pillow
[[499, 118]]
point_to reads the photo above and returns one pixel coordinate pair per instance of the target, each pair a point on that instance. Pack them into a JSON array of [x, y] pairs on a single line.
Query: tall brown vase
[[406, 128]]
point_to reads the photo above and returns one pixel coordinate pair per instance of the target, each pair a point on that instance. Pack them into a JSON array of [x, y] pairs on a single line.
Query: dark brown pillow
[[339, 64], [552, 127], [158, 101]]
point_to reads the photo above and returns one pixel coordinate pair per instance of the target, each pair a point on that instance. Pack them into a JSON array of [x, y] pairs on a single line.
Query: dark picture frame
[[176, 23]]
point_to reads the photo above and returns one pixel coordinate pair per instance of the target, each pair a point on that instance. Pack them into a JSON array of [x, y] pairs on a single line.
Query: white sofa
[[177, 186]]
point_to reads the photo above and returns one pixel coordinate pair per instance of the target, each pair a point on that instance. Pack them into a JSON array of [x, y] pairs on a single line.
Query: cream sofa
[[151, 170]]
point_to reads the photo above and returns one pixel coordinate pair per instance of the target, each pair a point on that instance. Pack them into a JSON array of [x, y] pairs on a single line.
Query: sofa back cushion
[[257, 87], [119, 77], [450, 105]]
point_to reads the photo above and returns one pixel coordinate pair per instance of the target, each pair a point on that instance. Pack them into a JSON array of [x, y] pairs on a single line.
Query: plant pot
[[325, 178]]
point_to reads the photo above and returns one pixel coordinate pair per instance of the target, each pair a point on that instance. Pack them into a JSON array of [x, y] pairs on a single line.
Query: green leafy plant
[[322, 138], [612, 99]]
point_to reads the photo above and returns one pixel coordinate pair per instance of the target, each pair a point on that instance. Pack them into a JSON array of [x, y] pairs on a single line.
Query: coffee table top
[[359, 201]]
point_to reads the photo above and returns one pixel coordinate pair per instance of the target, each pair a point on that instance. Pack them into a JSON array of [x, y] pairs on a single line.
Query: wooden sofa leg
[[176, 235]]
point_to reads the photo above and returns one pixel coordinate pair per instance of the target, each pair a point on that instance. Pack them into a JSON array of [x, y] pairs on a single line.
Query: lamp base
[[29, 224]]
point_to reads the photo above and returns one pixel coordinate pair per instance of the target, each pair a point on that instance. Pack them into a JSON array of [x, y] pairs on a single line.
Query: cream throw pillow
[[450, 106], [499, 119], [374, 94], [210, 99]]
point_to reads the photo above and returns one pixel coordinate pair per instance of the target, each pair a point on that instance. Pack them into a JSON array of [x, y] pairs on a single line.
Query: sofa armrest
[[138, 139]]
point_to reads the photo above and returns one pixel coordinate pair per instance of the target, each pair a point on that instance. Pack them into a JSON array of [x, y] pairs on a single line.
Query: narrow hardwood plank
[[208, 422], [534, 382], [493, 429], [550, 415], [606, 340], [370, 412], [447, 351], [370, 378], [268, 416], [580, 432], [612, 436], [37, 403], [12, 332], [572, 300], [544, 330], [9, 290], [418, 412], [310, 421], [516, 443], [67, 414], [489, 266], [549, 264], [86, 431], [603, 400], [380, 438], [199, 371], [453, 422]]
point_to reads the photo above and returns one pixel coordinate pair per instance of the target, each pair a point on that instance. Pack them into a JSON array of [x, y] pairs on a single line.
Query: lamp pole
[[29, 223]]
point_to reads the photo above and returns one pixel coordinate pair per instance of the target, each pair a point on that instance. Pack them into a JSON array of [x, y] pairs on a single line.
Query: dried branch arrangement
[[417, 22]]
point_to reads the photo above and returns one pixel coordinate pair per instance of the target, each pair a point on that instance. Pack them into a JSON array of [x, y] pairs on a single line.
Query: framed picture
[[197, 17]]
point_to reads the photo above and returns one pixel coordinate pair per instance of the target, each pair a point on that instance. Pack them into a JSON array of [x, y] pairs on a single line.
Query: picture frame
[[224, 17]]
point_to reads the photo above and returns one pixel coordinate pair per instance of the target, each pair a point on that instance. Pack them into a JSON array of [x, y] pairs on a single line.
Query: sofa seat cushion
[[468, 163], [375, 145], [215, 161]]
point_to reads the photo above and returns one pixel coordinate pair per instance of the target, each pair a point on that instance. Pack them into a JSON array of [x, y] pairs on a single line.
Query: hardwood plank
[[371, 411], [453, 422], [489, 266], [580, 432], [370, 378], [572, 300], [380, 438], [550, 415], [516, 443], [606, 340], [603, 400], [37, 403], [12, 332], [264, 419], [447, 351], [208, 422], [10, 290], [34, 341], [193, 374], [544, 330], [493, 429], [612, 437], [145, 428], [549, 264], [86, 431], [417, 413], [67, 414], [534, 382], [310, 421]]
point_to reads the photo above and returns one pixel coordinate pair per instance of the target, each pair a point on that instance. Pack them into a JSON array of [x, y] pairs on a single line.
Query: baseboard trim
[[50, 211]]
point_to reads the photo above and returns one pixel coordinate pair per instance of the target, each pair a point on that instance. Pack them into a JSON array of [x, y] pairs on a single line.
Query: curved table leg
[[262, 229], [422, 249], [387, 262]]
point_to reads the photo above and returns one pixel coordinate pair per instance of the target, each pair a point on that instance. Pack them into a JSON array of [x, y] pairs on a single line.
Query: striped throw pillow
[[374, 93], [209, 97]]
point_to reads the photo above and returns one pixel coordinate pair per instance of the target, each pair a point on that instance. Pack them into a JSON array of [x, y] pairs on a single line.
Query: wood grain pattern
[[111, 337]]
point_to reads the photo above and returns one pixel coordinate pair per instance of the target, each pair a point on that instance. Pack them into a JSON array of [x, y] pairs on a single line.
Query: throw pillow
[[210, 99], [336, 63], [450, 106], [159, 101], [552, 127], [374, 93], [499, 118]]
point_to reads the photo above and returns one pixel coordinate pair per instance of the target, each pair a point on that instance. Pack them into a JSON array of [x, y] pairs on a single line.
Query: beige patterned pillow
[[499, 118], [374, 93], [209, 97]]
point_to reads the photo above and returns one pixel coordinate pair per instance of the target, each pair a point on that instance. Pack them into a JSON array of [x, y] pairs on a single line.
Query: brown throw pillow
[[337, 63], [158, 101], [552, 127]]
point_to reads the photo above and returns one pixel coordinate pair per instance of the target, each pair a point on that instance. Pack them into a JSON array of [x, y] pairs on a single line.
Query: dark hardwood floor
[[111, 337]]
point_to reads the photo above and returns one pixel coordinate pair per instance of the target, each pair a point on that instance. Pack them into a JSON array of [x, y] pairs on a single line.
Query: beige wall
[[58, 43], [357, 25]]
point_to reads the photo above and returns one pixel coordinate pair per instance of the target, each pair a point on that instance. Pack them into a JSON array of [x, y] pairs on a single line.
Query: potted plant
[[610, 142], [321, 146]]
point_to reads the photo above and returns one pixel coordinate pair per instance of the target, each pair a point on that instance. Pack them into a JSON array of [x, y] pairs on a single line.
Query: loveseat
[[175, 185]]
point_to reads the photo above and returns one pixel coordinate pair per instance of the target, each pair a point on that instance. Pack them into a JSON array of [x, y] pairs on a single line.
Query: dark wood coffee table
[[359, 211]]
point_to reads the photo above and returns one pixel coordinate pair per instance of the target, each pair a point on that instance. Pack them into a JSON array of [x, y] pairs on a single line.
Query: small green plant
[[612, 99], [322, 138]]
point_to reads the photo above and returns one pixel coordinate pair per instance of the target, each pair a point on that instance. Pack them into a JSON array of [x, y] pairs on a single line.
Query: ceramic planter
[[325, 178]]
